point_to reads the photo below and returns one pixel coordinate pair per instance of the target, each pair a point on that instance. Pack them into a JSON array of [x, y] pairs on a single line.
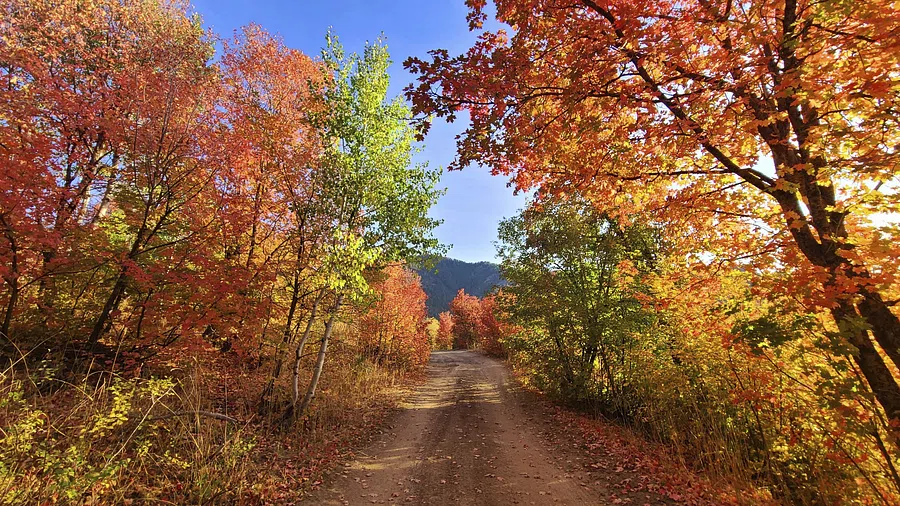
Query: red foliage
[[394, 329], [467, 324], [146, 191], [494, 329], [478, 322], [761, 136], [444, 340]]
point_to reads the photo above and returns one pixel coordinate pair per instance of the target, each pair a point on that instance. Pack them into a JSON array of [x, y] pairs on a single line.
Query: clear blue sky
[[475, 201]]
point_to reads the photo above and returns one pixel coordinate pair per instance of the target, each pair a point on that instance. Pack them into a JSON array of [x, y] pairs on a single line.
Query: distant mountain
[[442, 283]]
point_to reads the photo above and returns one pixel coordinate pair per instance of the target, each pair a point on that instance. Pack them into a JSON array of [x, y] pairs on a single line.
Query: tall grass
[[187, 434]]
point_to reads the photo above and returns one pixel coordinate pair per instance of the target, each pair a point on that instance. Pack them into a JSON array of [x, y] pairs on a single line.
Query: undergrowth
[[189, 434]]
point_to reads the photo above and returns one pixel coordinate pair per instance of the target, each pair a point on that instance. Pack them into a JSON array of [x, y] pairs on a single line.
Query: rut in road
[[468, 437]]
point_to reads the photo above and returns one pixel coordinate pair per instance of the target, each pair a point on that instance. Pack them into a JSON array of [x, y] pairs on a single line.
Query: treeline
[[442, 282], [711, 252], [174, 212], [601, 316], [473, 322]]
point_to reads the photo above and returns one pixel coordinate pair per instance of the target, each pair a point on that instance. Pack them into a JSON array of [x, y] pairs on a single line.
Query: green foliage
[[772, 330], [379, 199], [111, 434], [18, 436], [579, 319], [744, 386], [68, 464]]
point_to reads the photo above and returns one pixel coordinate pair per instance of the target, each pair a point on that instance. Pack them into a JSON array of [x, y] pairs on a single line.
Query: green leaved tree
[[374, 197], [570, 291]]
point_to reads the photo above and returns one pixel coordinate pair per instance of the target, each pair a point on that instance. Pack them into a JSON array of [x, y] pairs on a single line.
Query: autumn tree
[[764, 132], [376, 198], [154, 195], [496, 328], [63, 69], [444, 339], [272, 225], [107, 198], [394, 327], [265, 186], [165, 197], [467, 325]]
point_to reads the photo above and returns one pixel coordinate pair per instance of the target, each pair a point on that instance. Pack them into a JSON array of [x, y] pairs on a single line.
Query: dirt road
[[467, 437]]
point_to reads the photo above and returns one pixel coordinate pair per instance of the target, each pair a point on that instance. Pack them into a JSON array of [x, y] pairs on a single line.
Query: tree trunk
[[103, 208], [13, 281], [10, 307], [871, 363], [286, 338], [111, 302], [872, 310], [292, 311], [295, 412], [884, 323], [298, 350]]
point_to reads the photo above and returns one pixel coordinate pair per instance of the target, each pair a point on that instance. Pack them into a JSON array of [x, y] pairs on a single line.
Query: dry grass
[[192, 434]]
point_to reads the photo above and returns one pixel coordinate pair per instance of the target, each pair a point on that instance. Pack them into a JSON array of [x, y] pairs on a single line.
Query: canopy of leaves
[[573, 291]]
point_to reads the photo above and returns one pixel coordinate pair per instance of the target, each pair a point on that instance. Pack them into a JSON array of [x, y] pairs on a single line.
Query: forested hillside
[[450, 276]]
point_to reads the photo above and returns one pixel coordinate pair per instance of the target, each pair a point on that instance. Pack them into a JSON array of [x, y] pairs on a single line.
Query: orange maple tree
[[444, 338], [476, 322], [763, 133], [394, 329], [467, 325], [494, 326], [269, 154]]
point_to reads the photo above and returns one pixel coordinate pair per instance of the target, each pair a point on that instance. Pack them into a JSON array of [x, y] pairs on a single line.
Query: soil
[[469, 436]]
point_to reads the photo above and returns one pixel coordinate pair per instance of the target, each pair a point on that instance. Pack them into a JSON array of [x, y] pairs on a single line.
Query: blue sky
[[475, 201]]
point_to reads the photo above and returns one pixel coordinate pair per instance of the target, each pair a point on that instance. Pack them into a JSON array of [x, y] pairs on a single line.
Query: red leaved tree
[[270, 154], [494, 328], [394, 330], [444, 338], [764, 132], [467, 322]]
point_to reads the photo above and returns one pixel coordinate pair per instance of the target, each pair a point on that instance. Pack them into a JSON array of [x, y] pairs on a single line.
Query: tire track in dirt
[[465, 437]]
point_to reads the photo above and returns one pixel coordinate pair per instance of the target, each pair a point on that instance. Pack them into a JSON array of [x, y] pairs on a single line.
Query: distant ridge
[[442, 283]]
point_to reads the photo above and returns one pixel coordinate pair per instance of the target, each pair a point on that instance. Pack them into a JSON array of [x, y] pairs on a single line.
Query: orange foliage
[[467, 324], [760, 137], [494, 328], [394, 329], [475, 322], [763, 133], [444, 339]]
